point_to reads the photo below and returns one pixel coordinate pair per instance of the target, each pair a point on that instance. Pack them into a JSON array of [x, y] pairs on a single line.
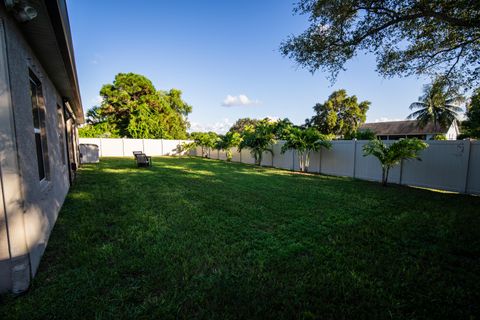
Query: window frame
[[39, 127]]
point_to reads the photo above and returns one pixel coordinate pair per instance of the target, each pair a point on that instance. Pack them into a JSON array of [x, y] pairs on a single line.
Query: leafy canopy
[[240, 125], [408, 37], [132, 107], [339, 115], [438, 104], [472, 124], [205, 140], [391, 155]]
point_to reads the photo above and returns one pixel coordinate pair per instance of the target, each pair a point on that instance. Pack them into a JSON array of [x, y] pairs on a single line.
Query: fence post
[[467, 171], [123, 147], [240, 152], [101, 147], [143, 145], [354, 156], [161, 146]]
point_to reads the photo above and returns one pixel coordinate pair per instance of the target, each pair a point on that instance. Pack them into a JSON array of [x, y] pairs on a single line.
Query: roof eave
[[50, 38]]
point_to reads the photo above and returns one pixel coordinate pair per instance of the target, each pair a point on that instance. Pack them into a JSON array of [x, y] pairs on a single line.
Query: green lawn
[[196, 238]]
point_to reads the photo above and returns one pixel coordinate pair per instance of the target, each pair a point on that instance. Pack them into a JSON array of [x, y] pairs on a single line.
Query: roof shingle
[[405, 127]]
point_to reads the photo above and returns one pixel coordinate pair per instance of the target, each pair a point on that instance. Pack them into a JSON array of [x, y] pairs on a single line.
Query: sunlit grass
[[196, 238]]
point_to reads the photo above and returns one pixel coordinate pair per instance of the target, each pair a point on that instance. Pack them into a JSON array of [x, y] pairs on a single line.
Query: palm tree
[[439, 103], [227, 142], [305, 141], [392, 155], [258, 139]]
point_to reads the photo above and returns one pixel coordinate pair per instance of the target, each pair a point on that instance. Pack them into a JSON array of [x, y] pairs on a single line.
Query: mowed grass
[[193, 238]]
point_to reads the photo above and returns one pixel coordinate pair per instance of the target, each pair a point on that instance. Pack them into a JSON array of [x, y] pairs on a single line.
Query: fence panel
[[267, 159], [130, 145], [153, 147], [443, 166], [247, 157], [222, 155], [214, 154], [369, 168], [172, 147], [314, 162], [339, 160], [473, 183], [111, 147], [282, 160], [235, 155], [447, 165]]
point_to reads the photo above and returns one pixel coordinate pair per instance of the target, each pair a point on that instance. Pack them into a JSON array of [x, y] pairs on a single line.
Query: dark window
[[38, 111], [61, 133]]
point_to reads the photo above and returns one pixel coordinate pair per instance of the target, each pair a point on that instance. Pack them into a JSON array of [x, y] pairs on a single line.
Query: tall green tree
[[340, 115], [305, 141], [472, 124], [392, 155], [240, 125], [259, 139], [408, 37], [438, 104], [282, 128], [97, 126], [132, 107]]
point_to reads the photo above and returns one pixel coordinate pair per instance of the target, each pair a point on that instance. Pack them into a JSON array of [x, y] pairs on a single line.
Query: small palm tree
[[227, 142], [258, 139], [392, 155], [439, 104], [305, 141]]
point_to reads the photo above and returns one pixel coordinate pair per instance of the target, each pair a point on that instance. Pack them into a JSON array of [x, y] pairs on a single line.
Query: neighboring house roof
[[405, 127], [49, 36]]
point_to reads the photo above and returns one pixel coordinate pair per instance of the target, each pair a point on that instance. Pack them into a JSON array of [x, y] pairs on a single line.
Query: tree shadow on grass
[[195, 238]]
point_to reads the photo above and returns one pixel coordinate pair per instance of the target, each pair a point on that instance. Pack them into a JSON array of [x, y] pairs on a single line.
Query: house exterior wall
[[29, 207], [452, 132]]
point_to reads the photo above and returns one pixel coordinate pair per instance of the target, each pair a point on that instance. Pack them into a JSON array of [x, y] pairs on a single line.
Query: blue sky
[[215, 51]]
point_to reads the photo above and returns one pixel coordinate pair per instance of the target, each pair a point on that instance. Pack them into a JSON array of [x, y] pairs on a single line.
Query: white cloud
[[218, 127], [385, 119], [240, 100]]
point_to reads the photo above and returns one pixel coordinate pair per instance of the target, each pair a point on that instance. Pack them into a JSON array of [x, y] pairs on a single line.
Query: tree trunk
[[385, 172], [300, 161], [307, 160], [258, 158]]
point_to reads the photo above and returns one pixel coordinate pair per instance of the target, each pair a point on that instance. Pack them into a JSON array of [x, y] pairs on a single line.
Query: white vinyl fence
[[445, 165], [125, 147]]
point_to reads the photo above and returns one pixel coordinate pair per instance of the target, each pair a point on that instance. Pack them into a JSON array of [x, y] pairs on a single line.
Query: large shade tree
[[391, 155], [240, 125], [304, 141], [438, 104], [407, 37], [132, 107], [340, 115]]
